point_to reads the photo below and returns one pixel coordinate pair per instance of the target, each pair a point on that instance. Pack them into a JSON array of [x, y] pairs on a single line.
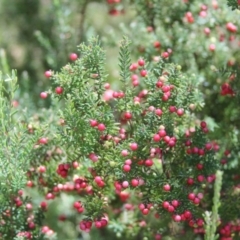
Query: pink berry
[[171, 208], [141, 62], [203, 124], [200, 178], [165, 55], [42, 169], [93, 123], [125, 184], [126, 168], [134, 182], [58, 90], [212, 47], [43, 140], [175, 203], [133, 67], [143, 73], [196, 201], [128, 162], [101, 127], [165, 204], [48, 74], [172, 109], [162, 133], [180, 112], [124, 153], [191, 196], [158, 112], [190, 181], [167, 187], [73, 56], [145, 211], [157, 44], [159, 84], [177, 218], [133, 146], [148, 162], [127, 115], [156, 138], [43, 95]]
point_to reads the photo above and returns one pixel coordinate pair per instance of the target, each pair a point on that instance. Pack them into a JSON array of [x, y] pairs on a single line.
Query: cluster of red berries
[[100, 126], [227, 231], [63, 169], [86, 225], [78, 206], [145, 208], [226, 90]]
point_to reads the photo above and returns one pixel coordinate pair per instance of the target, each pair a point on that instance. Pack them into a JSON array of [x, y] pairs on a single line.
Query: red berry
[[143, 73], [124, 153], [93, 123], [191, 196], [134, 182], [43, 95], [43, 140], [199, 166], [231, 27], [145, 211], [180, 112], [165, 204], [171, 208], [190, 181], [148, 162], [156, 138], [48, 74], [196, 201], [175, 203], [162, 133], [42, 169], [157, 44], [172, 109], [167, 187], [159, 84], [133, 67], [165, 54], [125, 184], [127, 115], [201, 152], [73, 56], [97, 179], [166, 89], [98, 224], [128, 162], [58, 90], [158, 112], [126, 168], [133, 146], [43, 205], [141, 62], [177, 218], [101, 127], [200, 178], [212, 47]]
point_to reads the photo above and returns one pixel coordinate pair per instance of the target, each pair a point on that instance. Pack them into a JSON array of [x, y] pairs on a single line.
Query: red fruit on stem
[[43, 95], [73, 56], [58, 90], [48, 74]]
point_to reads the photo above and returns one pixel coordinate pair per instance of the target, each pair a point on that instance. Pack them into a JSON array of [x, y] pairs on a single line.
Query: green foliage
[[212, 218], [233, 4], [202, 41]]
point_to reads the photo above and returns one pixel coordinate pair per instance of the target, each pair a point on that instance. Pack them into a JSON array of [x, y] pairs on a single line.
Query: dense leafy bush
[[137, 137]]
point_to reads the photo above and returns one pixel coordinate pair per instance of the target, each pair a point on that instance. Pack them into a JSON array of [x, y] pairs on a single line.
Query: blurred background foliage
[[39, 35]]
